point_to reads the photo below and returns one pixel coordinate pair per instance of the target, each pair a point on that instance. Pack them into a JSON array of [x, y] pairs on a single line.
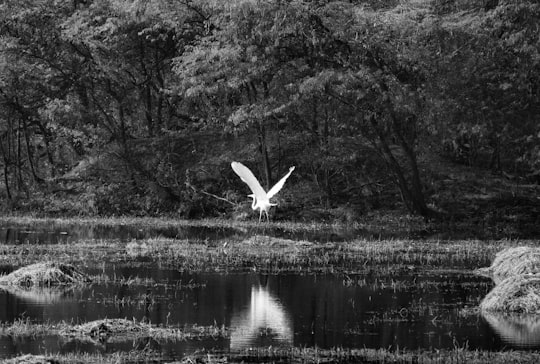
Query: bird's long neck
[[254, 201]]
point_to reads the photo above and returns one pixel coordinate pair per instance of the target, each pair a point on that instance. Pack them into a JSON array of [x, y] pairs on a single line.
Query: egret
[[261, 199]]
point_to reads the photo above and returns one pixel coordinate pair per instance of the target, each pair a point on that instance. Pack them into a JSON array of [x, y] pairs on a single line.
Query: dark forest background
[[137, 107]]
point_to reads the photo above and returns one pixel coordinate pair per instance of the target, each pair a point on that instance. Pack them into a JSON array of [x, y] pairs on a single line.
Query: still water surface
[[73, 233], [431, 310]]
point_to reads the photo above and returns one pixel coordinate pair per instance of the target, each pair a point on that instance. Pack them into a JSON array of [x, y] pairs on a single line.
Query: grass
[[352, 260], [45, 274], [379, 222], [514, 261], [111, 330], [301, 355], [266, 254], [518, 294], [515, 271]]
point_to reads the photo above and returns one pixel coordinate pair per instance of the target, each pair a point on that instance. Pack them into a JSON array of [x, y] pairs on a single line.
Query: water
[[428, 310], [67, 234], [72, 233]]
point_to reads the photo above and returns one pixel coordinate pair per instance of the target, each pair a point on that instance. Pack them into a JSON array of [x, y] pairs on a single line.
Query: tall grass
[[265, 254], [302, 355]]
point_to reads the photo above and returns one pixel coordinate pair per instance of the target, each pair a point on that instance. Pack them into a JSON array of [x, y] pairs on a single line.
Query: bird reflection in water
[[265, 322], [520, 331]]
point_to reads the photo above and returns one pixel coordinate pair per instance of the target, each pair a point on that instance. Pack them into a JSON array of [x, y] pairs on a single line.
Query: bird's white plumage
[[247, 176], [278, 186], [261, 199]]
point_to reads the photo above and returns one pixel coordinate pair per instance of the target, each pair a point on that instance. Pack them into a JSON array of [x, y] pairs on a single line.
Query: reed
[[296, 355], [111, 330], [266, 254]]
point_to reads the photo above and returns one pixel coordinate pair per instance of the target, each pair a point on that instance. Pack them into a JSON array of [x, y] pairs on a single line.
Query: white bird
[[261, 199]]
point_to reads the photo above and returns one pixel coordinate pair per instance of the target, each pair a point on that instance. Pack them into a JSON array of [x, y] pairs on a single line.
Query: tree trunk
[[6, 169], [326, 149], [264, 156], [161, 87], [122, 120], [29, 154], [148, 111], [252, 95], [407, 145], [19, 162], [412, 194], [6, 181]]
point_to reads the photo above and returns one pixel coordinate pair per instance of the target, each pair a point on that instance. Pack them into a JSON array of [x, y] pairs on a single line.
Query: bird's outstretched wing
[[245, 175], [278, 186]]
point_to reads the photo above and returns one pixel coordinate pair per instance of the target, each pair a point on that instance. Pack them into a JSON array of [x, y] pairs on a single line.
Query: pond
[[72, 233], [414, 309]]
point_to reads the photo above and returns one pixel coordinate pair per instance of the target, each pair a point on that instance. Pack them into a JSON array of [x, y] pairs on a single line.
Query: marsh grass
[[513, 261], [412, 279], [134, 281], [46, 274], [375, 222], [276, 255], [268, 255], [366, 355], [517, 294], [111, 330], [81, 253], [298, 355], [24, 327], [353, 260], [163, 222], [105, 279], [147, 356]]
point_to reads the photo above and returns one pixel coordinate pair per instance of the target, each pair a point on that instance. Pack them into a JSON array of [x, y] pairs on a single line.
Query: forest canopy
[[115, 107]]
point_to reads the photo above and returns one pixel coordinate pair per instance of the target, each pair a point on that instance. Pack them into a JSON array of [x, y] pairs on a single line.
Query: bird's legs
[[261, 215]]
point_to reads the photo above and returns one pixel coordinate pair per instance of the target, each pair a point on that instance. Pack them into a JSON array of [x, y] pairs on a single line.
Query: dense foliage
[[139, 106]]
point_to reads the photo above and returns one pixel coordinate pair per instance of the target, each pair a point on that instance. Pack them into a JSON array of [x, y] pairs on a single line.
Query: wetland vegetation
[[207, 299], [412, 126]]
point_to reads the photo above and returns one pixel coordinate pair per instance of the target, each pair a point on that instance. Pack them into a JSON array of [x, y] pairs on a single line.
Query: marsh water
[[430, 310]]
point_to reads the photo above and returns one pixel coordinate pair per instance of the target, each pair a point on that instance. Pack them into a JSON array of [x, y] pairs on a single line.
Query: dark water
[[432, 310], [55, 235], [280, 310], [43, 234]]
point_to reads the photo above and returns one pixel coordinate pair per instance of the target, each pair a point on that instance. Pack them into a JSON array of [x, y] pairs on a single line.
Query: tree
[[270, 61], [374, 77], [484, 85], [32, 72]]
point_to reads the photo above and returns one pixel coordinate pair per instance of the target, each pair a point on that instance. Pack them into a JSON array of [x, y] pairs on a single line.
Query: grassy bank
[[389, 222], [251, 246], [115, 329], [300, 355], [265, 254]]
